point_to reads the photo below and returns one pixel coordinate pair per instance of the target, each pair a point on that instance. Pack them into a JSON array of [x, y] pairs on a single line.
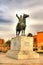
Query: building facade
[[1, 43], [40, 40]]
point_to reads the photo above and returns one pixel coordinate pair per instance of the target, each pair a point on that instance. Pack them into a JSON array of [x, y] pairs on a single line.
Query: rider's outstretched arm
[[17, 16]]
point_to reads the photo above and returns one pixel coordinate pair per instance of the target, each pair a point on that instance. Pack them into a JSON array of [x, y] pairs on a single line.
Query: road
[[4, 59]]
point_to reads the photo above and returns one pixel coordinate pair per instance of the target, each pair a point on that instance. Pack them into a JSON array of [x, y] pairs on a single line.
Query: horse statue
[[21, 26]]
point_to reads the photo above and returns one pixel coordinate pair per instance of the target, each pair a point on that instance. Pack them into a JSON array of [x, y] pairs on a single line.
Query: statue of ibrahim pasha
[[21, 26]]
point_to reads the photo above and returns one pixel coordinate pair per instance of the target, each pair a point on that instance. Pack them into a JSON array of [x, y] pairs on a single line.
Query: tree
[[29, 34], [8, 43]]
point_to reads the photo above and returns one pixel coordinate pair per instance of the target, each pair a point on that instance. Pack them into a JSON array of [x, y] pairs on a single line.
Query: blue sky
[[8, 20]]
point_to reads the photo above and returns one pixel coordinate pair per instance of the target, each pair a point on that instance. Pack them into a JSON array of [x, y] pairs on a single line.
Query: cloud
[[4, 29], [5, 15], [34, 29], [21, 3], [5, 21], [25, 3], [38, 14], [9, 9]]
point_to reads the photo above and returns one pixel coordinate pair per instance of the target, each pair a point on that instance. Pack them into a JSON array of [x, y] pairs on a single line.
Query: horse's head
[[25, 15]]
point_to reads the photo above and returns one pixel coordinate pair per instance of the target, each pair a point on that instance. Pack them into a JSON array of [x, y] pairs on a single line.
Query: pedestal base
[[22, 48], [21, 54]]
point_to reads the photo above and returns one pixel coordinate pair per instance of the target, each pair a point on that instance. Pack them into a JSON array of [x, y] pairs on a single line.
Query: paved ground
[[4, 59]]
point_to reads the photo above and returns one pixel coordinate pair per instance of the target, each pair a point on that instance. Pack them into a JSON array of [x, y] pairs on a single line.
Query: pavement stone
[[4, 59]]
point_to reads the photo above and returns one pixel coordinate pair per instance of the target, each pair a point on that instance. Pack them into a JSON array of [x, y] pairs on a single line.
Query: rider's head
[[20, 16]]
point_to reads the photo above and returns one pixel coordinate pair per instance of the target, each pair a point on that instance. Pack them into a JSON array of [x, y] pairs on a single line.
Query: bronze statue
[[21, 24]]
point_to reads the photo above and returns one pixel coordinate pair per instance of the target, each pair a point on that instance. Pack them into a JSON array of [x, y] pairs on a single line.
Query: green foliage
[[29, 34], [4, 45], [8, 43]]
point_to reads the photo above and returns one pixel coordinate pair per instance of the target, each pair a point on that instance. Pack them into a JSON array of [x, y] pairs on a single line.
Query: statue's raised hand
[[17, 16]]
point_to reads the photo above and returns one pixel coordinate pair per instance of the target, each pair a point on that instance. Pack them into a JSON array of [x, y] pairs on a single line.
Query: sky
[[8, 20]]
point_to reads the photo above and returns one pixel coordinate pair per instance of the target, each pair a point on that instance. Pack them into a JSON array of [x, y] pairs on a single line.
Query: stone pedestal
[[22, 43], [22, 48]]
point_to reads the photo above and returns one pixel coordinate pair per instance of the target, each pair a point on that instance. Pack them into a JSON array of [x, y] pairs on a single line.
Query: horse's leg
[[16, 32], [23, 32], [19, 31]]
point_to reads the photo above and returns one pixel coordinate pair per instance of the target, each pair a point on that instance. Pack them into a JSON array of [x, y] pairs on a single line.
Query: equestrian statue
[[21, 26]]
